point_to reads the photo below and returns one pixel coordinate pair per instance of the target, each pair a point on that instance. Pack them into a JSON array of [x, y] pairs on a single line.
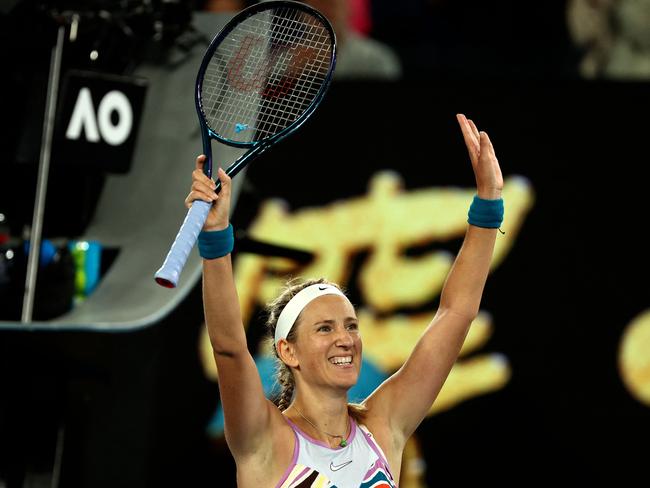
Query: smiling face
[[327, 350]]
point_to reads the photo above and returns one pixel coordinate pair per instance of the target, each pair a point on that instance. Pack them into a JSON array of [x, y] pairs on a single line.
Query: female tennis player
[[314, 437]]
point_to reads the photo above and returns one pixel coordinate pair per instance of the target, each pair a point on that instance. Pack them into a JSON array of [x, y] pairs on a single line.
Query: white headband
[[293, 308]]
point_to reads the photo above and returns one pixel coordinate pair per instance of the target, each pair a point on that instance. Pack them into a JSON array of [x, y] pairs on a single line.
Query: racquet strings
[[265, 73]]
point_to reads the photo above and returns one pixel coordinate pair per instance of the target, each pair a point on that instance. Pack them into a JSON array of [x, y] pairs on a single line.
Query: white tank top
[[361, 463]]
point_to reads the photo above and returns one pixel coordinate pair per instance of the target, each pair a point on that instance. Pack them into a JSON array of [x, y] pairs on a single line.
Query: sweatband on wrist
[[299, 301], [486, 213], [216, 243]]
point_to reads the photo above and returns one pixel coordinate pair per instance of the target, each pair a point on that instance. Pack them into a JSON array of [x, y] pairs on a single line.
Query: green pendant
[[343, 443]]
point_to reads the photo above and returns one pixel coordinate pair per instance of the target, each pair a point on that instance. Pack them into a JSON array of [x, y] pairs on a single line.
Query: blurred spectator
[[614, 36], [223, 5], [360, 16], [359, 56]]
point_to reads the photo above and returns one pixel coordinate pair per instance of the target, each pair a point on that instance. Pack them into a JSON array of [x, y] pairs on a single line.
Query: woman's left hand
[[489, 180]]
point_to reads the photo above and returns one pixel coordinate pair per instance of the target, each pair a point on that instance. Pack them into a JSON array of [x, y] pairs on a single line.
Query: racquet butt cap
[[165, 283]]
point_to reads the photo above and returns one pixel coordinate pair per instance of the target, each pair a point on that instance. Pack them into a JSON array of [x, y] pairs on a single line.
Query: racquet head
[[264, 74], [261, 77]]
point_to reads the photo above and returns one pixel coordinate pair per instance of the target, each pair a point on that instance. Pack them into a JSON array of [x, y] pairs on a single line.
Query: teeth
[[339, 360]]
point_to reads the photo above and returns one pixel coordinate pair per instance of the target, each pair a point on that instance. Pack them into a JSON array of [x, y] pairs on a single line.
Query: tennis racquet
[[261, 78]]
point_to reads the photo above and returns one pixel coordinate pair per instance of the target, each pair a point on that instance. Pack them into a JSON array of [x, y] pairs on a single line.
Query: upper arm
[[406, 397], [248, 414]]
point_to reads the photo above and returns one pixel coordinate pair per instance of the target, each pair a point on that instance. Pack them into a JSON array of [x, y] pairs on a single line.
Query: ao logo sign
[[84, 118]]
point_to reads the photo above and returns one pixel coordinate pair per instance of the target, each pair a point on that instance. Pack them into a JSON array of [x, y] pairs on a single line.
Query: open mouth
[[341, 360]]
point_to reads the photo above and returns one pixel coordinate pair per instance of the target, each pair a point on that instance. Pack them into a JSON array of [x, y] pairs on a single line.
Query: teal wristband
[[217, 243], [486, 213]]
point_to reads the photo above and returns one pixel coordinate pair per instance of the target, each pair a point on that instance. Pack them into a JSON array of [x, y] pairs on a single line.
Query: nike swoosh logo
[[334, 467], [321, 288]]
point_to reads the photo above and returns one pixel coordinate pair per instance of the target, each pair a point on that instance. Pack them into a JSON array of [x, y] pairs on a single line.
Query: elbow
[[224, 350], [466, 313], [224, 353]]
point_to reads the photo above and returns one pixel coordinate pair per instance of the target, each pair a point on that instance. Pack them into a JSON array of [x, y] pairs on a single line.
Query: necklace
[[343, 442]]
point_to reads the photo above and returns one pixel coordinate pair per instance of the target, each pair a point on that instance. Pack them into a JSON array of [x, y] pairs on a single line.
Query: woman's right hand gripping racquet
[[261, 77]]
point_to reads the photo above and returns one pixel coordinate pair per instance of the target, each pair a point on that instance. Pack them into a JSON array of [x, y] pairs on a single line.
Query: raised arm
[[247, 412], [406, 397]]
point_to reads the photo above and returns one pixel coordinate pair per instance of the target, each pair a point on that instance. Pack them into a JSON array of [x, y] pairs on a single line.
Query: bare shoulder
[[266, 465]]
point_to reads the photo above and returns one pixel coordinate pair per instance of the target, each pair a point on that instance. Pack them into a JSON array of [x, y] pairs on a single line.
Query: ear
[[287, 353]]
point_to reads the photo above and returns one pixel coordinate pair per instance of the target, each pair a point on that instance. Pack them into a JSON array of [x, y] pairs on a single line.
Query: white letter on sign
[[115, 134], [83, 117]]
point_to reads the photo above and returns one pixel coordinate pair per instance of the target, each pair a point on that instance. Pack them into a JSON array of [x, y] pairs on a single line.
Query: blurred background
[[107, 379]]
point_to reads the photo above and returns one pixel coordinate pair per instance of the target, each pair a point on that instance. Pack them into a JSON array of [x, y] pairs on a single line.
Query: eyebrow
[[332, 321]]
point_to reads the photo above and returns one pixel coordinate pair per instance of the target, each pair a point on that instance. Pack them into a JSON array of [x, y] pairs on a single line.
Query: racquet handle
[[170, 271]]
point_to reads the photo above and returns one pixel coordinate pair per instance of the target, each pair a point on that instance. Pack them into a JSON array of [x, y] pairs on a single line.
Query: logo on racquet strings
[[273, 71], [241, 128]]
